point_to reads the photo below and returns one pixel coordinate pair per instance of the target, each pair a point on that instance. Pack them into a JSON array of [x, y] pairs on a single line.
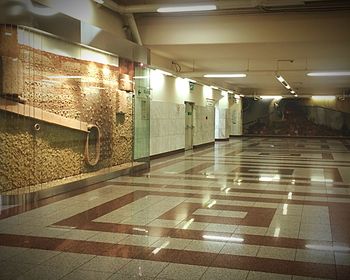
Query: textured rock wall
[[30, 157]]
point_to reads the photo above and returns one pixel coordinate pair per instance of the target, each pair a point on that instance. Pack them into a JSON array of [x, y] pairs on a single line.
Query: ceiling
[[259, 38]]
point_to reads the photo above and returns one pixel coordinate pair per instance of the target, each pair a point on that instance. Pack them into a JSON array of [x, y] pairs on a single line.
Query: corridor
[[248, 208]]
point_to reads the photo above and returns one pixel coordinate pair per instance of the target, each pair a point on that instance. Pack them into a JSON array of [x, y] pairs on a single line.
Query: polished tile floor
[[250, 208]]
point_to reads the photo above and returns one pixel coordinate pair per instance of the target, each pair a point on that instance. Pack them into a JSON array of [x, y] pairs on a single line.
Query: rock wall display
[[297, 117], [67, 86]]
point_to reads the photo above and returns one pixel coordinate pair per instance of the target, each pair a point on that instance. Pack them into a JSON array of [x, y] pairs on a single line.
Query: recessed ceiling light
[[187, 8], [225, 75], [329, 74]]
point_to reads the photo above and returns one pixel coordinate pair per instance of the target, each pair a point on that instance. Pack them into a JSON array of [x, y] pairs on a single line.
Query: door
[[188, 125]]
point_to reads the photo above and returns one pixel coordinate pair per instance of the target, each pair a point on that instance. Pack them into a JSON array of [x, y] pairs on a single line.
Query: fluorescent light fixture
[[241, 95], [190, 80], [223, 238], [164, 72], [187, 8], [329, 74], [213, 87], [323, 98], [284, 83], [280, 78], [225, 76], [271, 97], [141, 77], [292, 92], [269, 178], [99, 1]]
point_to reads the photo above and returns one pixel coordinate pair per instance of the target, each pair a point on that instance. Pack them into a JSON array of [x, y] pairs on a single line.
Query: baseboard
[[295, 136], [204, 145], [166, 154], [221, 139], [68, 187]]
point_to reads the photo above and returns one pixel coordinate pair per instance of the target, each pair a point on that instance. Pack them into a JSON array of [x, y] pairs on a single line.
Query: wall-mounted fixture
[[285, 84]]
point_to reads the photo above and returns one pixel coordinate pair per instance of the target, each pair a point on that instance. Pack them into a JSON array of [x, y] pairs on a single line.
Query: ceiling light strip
[[188, 8], [239, 75], [329, 74]]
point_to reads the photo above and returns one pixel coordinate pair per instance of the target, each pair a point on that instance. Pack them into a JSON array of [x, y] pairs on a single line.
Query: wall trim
[[222, 139], [294, 136], [205, 145], [68, 187], [170, 153]]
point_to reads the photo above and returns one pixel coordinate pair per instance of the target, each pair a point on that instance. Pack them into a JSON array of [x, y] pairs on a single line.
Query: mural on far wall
[[61, 115], [322, 116]]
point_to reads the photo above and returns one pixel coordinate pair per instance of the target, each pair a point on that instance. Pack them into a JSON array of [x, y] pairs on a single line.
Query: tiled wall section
[[167, 127], [223, 123], [204, 126]]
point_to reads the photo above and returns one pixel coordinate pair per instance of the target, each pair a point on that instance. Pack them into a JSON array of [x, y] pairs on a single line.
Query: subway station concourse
[[178, 140]]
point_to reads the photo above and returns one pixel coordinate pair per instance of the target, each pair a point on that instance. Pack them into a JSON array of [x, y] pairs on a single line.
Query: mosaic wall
[[297, 117], [69, 87]]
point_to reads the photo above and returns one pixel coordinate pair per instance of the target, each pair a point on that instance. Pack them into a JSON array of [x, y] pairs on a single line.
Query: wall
[[167, 127], [326, 116], [204, 124], [235, 112], [168, 95], [90, 12], [222, 117], [69, 86]]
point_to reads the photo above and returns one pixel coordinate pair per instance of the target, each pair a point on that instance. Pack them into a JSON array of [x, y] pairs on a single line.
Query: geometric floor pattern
[[248, 208]]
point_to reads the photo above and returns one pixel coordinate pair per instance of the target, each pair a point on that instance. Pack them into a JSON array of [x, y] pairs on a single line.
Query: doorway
[[189, 125]]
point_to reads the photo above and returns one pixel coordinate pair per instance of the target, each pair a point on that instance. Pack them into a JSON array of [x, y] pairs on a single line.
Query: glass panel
[[67, 112], [142, 114]]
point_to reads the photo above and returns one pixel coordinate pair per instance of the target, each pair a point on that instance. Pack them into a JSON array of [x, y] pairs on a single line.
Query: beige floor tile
[[214, 273], [240, 249], [316, 256], [257, 275], [176, 271], [276, 253], [205, 246], [251, 230]]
